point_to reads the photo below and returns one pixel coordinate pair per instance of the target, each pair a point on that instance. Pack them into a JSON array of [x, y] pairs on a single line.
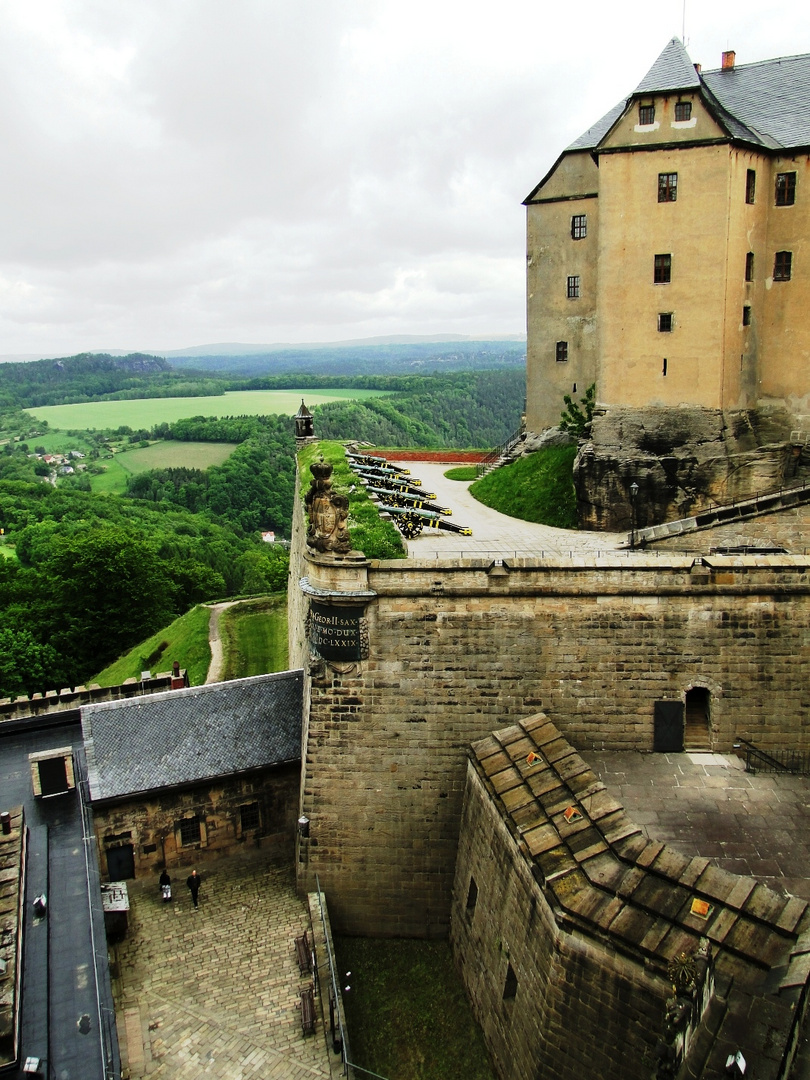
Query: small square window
[[662, 271], [190, 831], [747, 315], [665, 322], [782, 265], [785, 188], [750, 185], [562, 351], [573, 287], [249, 816], [749, 266], [683, 110], [646, 114], [579, 226], [667, 186]]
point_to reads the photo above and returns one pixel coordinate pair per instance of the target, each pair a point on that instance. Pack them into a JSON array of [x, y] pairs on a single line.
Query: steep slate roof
[[192, 735], [673, 70], [606, 877], [766, 103]]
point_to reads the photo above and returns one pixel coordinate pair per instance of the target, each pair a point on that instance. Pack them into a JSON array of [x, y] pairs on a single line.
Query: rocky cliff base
[[683, 460]]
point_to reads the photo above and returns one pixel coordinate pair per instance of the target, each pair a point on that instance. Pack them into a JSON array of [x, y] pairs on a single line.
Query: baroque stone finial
[[327, 512]]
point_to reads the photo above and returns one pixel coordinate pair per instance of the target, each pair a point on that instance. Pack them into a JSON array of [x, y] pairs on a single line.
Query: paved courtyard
[[707, 805], [214, 993]]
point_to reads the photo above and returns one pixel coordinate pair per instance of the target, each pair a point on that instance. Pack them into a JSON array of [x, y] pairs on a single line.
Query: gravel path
[[495, 533], [215, 668]]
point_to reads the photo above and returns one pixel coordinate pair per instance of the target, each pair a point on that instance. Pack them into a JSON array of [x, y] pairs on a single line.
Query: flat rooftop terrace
[[707, 805]]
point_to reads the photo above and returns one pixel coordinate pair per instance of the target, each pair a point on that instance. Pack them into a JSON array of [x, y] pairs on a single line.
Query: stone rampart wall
[[789, 529], [459, 649], [573, 1007]]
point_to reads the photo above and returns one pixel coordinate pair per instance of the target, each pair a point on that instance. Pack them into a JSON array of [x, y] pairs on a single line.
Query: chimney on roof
[[698, 68], [728, 60]]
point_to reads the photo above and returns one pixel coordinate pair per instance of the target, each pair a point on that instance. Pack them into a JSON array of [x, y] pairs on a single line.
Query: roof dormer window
[[646, 115]]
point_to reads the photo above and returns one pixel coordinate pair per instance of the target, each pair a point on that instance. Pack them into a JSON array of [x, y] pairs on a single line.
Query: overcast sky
[[180, 172]]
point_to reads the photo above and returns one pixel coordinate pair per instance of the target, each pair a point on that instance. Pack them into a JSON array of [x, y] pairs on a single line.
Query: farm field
[[145, 412], [166, 454]]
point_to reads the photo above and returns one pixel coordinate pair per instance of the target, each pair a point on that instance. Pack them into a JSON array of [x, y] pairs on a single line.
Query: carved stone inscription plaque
[[334, 632]]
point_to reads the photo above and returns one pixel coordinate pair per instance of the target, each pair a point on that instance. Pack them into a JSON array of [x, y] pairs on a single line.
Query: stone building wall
[[152, 825], [458, 649], [574, 1007]]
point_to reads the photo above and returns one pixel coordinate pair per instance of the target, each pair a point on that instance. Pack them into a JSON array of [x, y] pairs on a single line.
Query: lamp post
[[633, 497]]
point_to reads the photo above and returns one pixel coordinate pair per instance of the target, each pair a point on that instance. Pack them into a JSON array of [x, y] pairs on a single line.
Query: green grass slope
[[184, 640], [537, 488], [254, 637]]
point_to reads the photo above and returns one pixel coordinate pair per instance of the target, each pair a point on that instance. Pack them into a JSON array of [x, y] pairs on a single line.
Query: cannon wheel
[[410, 525]]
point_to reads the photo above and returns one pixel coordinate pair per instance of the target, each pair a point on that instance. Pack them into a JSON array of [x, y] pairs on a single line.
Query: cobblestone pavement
[[214, 992], [707, 805], [495, 533]]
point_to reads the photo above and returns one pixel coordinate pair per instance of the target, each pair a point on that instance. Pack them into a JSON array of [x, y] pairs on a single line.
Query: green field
[[146, 412], [166, 454], [254, 637]]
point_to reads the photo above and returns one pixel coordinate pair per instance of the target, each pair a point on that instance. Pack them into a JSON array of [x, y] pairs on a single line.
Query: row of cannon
[[411, 508]]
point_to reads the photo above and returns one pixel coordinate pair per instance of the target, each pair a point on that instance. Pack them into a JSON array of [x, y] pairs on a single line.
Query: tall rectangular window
[[646, 114], [562, 351], [249, 816], [662, 271], [785, 188], [782, 265], [667, 186], [750, 185], [747, 315], [573, 287], [579, 226], [665, 322], [749, 266], [683, 110]]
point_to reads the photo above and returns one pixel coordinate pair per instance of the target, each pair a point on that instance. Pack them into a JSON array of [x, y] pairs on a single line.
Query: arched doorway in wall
[[697, 719]]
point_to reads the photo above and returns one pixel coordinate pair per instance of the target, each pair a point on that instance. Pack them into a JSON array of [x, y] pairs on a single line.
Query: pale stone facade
[[667, 247]]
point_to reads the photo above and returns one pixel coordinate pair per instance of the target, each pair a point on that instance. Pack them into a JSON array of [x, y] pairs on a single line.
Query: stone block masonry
[[457, 649]]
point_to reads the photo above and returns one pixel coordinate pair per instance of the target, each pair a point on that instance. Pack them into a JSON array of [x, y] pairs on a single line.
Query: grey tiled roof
[[673, 70], [771, 98], [184, 736], [766, 103]]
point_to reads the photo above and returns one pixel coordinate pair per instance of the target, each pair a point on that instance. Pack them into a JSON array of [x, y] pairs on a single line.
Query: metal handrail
[[344, 1040], [493, 455], [776, 761]]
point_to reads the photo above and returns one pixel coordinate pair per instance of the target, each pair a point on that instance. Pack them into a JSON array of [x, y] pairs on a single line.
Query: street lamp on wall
[[633, 497]]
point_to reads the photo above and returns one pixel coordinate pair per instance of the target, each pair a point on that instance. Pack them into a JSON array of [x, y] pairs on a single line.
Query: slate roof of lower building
[[192, 735]]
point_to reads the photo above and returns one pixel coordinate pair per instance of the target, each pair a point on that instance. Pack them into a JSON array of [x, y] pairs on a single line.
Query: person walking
[[193, 882], [165, 887]]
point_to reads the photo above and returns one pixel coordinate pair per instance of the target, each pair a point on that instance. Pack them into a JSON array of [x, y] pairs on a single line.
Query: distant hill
[[381, 356]]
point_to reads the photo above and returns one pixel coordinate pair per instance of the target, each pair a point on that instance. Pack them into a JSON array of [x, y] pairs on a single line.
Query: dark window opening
[[662, 273], [667, 186], [573, 287], [782, 265], [574, 388], [579, 226], [746, 315], [190, 831], [53, 776], [683, 110], [749, 266], [664, 368], [785, 188], [249, 816], [750, 185], [562, 351], [510, 986], [646, 114], [664, 322], [472, 896]]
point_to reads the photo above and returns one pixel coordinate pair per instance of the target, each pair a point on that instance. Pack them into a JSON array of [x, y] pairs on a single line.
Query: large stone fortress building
[[668, 245]]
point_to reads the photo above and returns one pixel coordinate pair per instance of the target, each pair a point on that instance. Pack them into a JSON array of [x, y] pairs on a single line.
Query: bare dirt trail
[[215, 668]]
